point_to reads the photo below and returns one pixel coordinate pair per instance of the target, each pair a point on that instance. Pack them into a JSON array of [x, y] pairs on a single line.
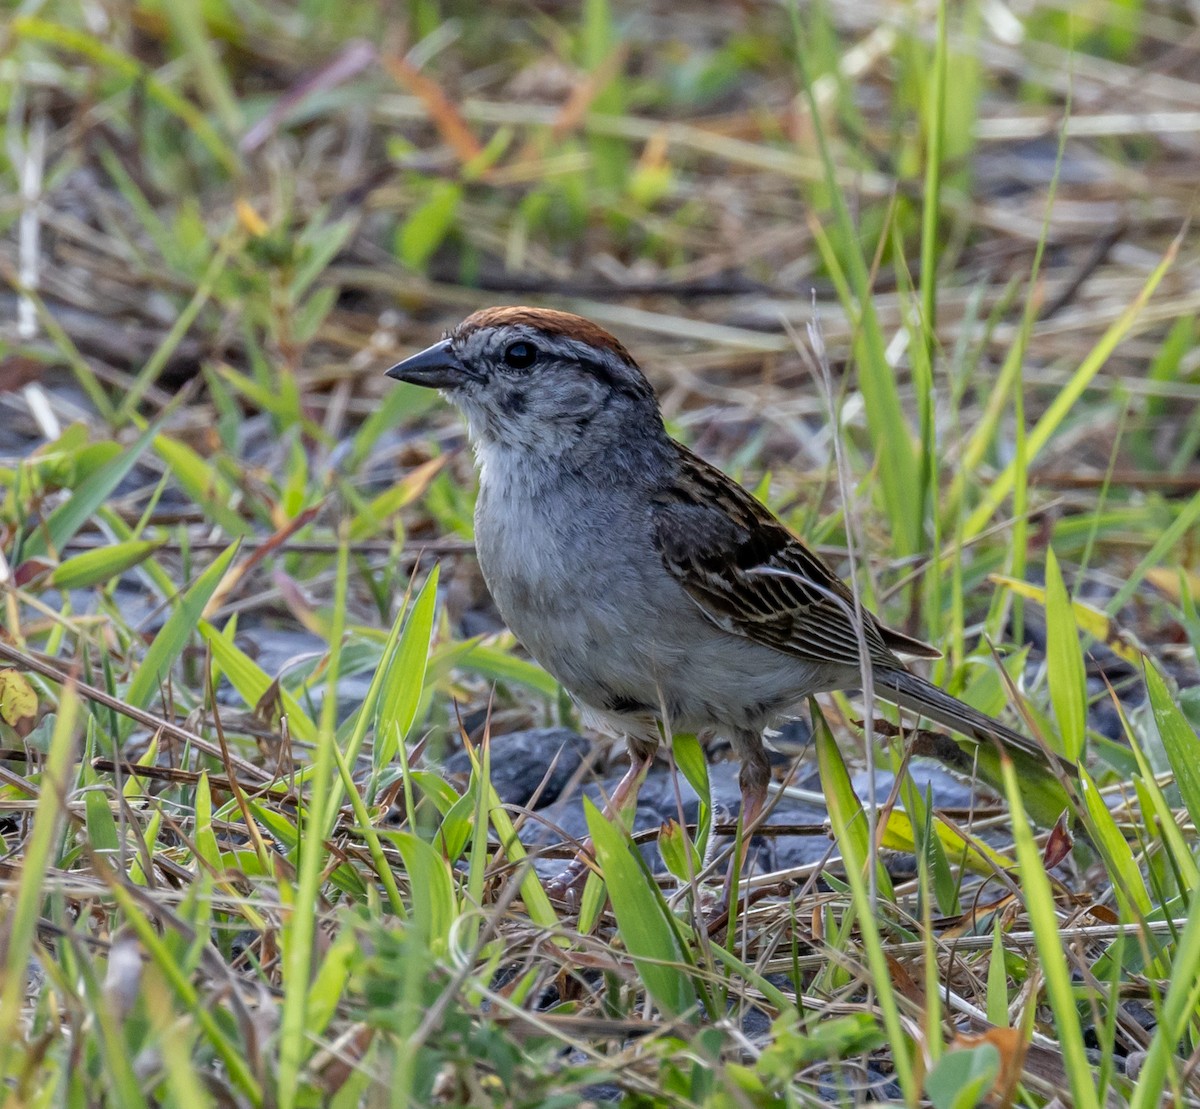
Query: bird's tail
[[911, 692]]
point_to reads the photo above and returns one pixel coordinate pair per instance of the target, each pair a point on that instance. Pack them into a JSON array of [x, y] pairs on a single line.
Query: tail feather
[[911, 692]]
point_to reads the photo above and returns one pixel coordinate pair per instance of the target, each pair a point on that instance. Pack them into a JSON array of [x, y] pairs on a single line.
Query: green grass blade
[[79, 42], [253, 683], [1178, 1010], [1064, 663], [93, 568], [1128, 884], [20, 925], [299, 929], [173, 636], [62, 524], [404, 682], [1039, 903], [1068, 396], [647, 927], [1182, 526], [1179, 741], [434, 903], [850, 828], [897, 461], [202, 483]]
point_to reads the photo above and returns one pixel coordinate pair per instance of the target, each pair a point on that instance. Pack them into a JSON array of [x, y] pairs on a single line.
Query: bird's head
[[533, 379]]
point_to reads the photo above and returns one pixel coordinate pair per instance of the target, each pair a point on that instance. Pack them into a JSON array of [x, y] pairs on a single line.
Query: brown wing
[[752, 577]]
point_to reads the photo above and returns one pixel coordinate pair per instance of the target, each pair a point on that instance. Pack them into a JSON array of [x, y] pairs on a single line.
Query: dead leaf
[[444, 113], [17, 371], [1059, 843], [18, 702]]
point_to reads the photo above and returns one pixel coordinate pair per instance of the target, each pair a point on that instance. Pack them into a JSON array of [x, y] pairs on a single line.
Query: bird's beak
[[436, 367]]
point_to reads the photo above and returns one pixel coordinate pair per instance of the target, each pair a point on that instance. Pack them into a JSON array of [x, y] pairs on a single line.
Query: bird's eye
[[520, 356]]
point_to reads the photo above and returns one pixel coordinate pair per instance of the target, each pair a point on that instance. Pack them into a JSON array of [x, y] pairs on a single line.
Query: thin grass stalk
[[311, 827], [1179, 1008], [149, 373], [1069, 395], [857, 859], [930, 226], [898, 468]]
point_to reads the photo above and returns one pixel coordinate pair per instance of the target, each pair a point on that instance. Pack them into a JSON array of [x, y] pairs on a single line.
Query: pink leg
[[569, 881], [754, 777]]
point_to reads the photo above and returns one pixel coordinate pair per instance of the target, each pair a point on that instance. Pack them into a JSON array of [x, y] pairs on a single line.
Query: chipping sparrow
[[645, 580]]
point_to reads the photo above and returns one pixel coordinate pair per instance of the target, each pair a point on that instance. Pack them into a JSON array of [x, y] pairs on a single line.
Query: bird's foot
[[567, 885]]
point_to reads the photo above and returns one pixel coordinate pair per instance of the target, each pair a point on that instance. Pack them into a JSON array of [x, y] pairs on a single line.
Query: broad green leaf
[[591, 903], [679, 854], [435, 906], [104, 563], [325, 993], [961, 1079], [491, 662], [204, 837], [790, 1047], [928, 847], [454, 832], [647, 927], [997, 979], [101, 826], [66, 462], [435, 787]]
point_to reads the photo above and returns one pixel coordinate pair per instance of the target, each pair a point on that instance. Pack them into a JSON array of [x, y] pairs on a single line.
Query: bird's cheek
[[578, 399], [479, 417], [512, 402]]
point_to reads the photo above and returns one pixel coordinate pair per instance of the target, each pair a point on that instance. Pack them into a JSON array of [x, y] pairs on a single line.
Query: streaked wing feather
[[751, 576]]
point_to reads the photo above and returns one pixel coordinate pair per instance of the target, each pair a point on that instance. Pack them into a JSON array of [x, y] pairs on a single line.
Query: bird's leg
[[753, 778], [570, 879]]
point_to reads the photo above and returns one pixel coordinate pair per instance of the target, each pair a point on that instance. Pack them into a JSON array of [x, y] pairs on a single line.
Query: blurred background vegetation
[[231, 871]]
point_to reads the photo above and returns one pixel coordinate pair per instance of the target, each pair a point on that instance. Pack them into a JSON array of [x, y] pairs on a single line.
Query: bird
[[660, 593]]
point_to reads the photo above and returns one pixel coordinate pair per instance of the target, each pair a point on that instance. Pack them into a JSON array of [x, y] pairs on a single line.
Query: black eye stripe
[[520, 355]]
